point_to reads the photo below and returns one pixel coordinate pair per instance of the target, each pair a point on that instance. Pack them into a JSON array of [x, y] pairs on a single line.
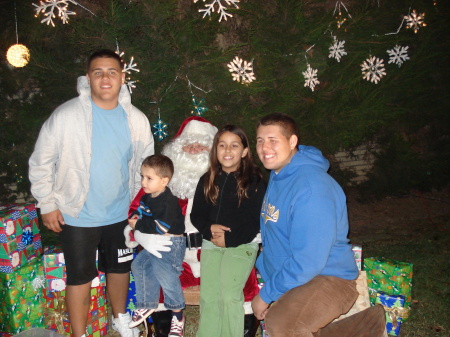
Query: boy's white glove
[[153, 243]]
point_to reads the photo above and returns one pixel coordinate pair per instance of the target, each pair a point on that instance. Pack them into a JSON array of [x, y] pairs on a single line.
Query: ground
[[398, 213]]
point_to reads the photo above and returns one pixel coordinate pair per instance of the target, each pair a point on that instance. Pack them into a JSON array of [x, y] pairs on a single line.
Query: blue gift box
[[394, 305]]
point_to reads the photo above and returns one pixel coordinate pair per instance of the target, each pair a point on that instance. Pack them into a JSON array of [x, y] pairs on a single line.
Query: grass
[[424, 243]]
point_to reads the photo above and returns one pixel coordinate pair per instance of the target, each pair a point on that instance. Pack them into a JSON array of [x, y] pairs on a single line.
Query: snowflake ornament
[[221, 9], [241, 73], [398, 55], [373, 69], [310, 76], [337, 49], [51, 5], [160, 129], [128, 68], [415, 21], [198, 107]]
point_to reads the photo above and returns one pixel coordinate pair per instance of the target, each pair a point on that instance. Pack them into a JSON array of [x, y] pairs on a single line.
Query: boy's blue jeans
[[152, 273]]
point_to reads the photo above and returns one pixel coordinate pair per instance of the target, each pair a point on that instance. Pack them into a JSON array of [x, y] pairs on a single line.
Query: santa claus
[[189, 151]]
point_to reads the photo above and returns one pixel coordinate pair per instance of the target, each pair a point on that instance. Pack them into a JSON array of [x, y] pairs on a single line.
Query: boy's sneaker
[[139, 315], [120, 324], [177, 327]]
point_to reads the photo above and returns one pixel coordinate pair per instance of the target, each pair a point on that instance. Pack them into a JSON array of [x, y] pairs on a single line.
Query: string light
[[340, 20]]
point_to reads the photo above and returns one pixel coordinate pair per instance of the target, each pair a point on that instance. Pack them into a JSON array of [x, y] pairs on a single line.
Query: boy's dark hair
[[162, 165], [286, 123], [108, 53]]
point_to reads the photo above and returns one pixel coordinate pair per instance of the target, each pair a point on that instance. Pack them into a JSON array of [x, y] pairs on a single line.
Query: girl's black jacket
[[243, 219]]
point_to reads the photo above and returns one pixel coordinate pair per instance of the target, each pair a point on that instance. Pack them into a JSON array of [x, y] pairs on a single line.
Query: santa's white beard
[[188, 169]]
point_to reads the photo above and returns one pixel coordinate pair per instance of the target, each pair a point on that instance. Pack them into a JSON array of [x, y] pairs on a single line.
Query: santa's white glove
[[153, 243], [130, 242]]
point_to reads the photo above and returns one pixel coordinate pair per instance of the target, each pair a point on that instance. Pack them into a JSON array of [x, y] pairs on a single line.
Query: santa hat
[[196, 128]]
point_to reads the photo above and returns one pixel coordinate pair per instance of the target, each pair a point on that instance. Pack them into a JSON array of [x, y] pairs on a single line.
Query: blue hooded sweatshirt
[[304, 226]]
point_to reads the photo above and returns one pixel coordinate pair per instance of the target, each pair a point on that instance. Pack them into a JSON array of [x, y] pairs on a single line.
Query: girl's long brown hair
[[246, 171]]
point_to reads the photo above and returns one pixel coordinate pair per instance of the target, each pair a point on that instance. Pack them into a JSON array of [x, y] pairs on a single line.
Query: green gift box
[[389, 276], [20, 241], [21, 298]]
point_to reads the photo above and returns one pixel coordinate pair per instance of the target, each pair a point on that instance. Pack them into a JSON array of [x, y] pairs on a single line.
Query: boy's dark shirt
[[165, 213]]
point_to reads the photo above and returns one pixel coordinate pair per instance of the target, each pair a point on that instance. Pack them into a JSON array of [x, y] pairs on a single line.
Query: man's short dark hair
[[286, 123], [162, 165], [108, 53]]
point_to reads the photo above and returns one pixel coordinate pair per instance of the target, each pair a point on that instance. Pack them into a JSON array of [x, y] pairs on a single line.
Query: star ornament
[[415, 21], [160, 129], [241, 71]]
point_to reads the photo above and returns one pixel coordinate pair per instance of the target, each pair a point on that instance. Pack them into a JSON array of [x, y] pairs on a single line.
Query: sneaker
[[139, 315], [120, 324], [177, 327]]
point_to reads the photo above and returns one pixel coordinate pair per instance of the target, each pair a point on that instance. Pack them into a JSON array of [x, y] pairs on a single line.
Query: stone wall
[[360, 161]]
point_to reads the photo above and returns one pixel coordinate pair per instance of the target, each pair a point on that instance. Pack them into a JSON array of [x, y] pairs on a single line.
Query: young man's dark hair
[[104, 53], [287, 124]]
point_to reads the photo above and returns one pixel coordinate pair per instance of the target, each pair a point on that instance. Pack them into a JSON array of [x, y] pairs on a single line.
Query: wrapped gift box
[[357, 252], [389, 276], [20, 241], [55, 270], [56, 316], [21, 298], [263, 330], [394, 305], [131, 300]]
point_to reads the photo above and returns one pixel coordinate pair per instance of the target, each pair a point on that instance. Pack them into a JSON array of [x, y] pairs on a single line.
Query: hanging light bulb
[[18, 55]]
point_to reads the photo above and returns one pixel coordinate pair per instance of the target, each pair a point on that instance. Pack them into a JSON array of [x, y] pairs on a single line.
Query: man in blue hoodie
[[306, 261]]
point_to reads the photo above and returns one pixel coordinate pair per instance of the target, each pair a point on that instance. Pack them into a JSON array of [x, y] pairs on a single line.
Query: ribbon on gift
[[395, 313], [27, 237], [38, 283], [56, 316]]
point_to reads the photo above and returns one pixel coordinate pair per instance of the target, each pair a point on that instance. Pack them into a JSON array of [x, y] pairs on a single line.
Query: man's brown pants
[[307, 310]]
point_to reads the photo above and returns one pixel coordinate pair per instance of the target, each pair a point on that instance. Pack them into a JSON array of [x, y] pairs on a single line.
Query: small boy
[[158, 213]]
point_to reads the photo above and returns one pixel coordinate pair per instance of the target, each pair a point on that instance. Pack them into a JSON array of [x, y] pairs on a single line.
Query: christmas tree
[[370, 73]]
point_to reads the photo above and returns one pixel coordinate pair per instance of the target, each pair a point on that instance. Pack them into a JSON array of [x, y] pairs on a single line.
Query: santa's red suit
[[188, 170]]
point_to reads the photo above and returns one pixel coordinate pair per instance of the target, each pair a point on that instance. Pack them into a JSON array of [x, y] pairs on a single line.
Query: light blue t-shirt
[[108, 198]]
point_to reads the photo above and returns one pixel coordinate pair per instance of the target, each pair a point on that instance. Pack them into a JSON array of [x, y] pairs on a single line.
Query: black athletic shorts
[[79, 245]]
